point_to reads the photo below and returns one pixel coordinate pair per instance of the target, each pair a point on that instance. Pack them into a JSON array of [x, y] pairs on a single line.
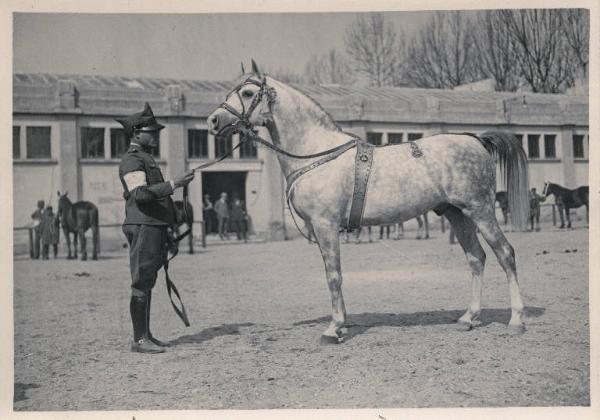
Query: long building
[[65, 137]]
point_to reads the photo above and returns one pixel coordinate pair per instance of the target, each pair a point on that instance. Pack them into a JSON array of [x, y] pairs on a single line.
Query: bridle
[[243, 124]]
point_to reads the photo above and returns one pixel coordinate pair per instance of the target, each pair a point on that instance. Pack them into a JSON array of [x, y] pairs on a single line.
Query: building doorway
[[233, 183]]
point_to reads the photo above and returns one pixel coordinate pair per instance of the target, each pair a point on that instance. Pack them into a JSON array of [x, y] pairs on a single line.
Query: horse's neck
[[69, 215], [558, 190], [301, 127]]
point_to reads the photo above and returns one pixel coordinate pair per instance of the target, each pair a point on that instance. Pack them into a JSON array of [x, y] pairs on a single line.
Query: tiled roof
[[116, 95]]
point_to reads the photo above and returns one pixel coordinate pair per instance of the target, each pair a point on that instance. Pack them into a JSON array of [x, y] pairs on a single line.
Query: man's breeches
[[147, 254]]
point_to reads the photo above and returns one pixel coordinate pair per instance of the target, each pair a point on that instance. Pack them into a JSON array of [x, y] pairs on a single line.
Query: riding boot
[[154, 340], [141, 342]]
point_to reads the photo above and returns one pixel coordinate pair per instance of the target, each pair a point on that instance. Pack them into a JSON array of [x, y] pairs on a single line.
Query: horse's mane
[[325, 118]]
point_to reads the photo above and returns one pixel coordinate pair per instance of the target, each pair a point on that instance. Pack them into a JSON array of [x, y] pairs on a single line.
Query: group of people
[[46, 231], [237, 215]]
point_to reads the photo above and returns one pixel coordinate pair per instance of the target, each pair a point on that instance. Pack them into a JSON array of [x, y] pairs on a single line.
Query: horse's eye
[[247, 94]]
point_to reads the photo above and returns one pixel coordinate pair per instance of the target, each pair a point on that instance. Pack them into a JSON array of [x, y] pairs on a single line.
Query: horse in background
[[423, 227], [502, 200], [568, 199], [452, 174], [77, 218], [188, 221]]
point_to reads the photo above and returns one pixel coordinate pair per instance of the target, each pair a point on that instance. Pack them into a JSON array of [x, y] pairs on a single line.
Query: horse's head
[[547, 189], [246, 106], [63, 203]]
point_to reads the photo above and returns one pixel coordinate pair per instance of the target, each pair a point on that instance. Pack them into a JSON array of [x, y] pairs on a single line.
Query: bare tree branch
[[329, 68]]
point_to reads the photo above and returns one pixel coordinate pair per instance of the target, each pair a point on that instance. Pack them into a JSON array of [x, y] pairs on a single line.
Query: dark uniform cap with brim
[[142, 121]]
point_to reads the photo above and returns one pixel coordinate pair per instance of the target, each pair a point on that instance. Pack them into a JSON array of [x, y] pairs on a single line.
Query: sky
[[183, 46]]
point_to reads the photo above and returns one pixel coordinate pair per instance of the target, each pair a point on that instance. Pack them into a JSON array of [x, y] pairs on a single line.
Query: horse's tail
[[509, 153]]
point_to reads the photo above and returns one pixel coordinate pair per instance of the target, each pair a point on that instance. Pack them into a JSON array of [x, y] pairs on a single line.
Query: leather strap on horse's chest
[[291, 178], [362, 170]]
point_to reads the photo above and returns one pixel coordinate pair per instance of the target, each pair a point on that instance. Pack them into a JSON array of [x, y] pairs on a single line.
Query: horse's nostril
[[214, 120]]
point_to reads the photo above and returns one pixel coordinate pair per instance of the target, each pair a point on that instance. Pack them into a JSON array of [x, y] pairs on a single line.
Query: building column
[[567, 160], [68, 157]]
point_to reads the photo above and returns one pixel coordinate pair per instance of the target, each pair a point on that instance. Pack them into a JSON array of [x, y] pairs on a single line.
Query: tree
[[371, 44], [285, 76], [442, 54], [577, 35], [497, 51], [329, 68], [545, 60]]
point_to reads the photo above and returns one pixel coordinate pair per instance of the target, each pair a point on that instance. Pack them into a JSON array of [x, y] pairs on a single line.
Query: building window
[[549, 145], [38, 143], [223, 146], [16, 142], [92, 143], [248, 150], [520, 138], [197, 144], [119, 143], [395, 138], [578, 150], [533, 145], [374, 138], [414, 136]]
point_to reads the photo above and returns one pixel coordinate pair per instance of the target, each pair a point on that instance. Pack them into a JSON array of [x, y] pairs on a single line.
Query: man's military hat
[[143, 121]]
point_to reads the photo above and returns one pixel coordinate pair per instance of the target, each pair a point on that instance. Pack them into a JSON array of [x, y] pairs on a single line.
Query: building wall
[[96, 180]]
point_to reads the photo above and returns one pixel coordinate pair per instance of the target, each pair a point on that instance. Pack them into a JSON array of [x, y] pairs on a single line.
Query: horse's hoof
[[84, 258], [328, 339], [517, 329], [463, 326], [95, 257]]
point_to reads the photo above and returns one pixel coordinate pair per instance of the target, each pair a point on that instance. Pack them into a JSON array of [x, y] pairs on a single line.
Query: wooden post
[[203, 233], [30, 230]]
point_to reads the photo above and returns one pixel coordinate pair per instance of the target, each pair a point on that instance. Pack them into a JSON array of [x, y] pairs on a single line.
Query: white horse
[[455, 175]]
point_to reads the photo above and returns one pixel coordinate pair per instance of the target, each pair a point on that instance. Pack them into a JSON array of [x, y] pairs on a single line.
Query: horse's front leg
[[83, 244], [328, 238], [568, 215], [75, 239], [67, 236]]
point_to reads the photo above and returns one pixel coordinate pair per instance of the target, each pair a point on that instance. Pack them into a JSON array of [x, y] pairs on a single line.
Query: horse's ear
[[243, 70], [66, 192], [58, 193], [255, 69]]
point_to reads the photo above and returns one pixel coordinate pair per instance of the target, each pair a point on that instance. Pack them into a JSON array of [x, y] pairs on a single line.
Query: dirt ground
[[258, 310]]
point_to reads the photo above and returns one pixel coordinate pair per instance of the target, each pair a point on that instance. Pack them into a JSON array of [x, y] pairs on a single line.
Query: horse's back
[[452, 169]]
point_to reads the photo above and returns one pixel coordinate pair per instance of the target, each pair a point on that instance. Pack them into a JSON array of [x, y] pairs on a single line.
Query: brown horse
[[453, 174], [77, 218], [568, 199]]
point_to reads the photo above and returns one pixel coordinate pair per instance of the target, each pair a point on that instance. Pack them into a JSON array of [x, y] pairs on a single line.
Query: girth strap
[[362, 170], [291, 178]]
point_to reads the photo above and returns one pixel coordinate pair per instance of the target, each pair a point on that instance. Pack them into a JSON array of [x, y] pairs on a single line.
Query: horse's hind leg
[[568, 215], [426, 222], [420, 228], [328, 238], [485, 220], [95, 243], [466, 232]]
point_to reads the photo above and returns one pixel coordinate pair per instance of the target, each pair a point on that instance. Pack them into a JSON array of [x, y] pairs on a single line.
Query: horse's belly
[[400, 191]]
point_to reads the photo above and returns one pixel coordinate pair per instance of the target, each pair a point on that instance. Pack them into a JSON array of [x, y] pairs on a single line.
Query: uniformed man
[[36, 216], [149, 213]]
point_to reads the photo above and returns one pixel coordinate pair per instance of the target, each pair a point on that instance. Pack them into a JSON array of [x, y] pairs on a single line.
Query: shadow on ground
[[359, 323], [210, 333]]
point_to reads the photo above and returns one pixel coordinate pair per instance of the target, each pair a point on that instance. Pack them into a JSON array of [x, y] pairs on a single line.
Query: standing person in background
[[207, 214], [36, 216], [534, 209], [238, 217], [222, 210], [50, 232]]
